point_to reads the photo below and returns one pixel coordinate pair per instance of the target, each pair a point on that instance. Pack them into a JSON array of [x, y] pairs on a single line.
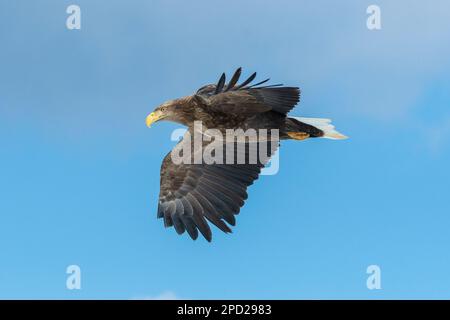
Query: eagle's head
[[159, 113], [170, 110]]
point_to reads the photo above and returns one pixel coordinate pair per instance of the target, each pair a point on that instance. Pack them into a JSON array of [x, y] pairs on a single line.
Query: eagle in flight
[[195, 192]]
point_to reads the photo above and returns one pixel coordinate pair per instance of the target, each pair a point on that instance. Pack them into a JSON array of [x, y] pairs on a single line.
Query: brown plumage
[[192, 194]]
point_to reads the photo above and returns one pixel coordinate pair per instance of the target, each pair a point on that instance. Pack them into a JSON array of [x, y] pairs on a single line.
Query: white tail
[[324, 125]]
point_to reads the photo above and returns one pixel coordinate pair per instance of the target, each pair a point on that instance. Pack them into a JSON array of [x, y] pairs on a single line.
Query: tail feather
[[325, 125]]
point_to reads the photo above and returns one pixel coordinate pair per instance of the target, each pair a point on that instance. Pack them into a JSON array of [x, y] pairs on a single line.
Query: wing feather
[[234, 79], [220, 84], [192, 194], [246, 99]]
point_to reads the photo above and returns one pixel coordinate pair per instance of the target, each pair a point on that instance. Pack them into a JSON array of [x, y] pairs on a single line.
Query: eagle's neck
[[186, 110]]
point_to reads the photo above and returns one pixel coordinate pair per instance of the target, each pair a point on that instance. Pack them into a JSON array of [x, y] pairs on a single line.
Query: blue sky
[[80, 171]]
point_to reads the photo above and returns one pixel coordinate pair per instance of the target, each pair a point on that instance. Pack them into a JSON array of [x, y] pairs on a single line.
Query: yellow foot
[[298, 135]]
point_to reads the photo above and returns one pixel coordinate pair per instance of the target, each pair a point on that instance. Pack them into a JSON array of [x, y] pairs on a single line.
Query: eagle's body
[[194, 110], [193, 192]]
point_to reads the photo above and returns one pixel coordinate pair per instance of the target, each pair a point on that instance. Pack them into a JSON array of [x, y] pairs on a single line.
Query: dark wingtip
[[246, 82], [234, 79], [261, 82], [207, 234], [220, 84]]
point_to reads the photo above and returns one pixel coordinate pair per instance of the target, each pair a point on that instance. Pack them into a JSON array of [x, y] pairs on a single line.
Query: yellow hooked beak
[[153, 117]]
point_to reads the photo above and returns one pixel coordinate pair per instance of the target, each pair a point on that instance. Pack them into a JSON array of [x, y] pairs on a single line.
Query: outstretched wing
[[192, 194], [247, 98]]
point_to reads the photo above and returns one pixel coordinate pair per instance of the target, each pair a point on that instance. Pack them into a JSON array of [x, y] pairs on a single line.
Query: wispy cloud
[[439, 135], [379, 74]]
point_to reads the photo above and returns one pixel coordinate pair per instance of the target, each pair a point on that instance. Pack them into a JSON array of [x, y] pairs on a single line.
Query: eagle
[[193, 193]]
